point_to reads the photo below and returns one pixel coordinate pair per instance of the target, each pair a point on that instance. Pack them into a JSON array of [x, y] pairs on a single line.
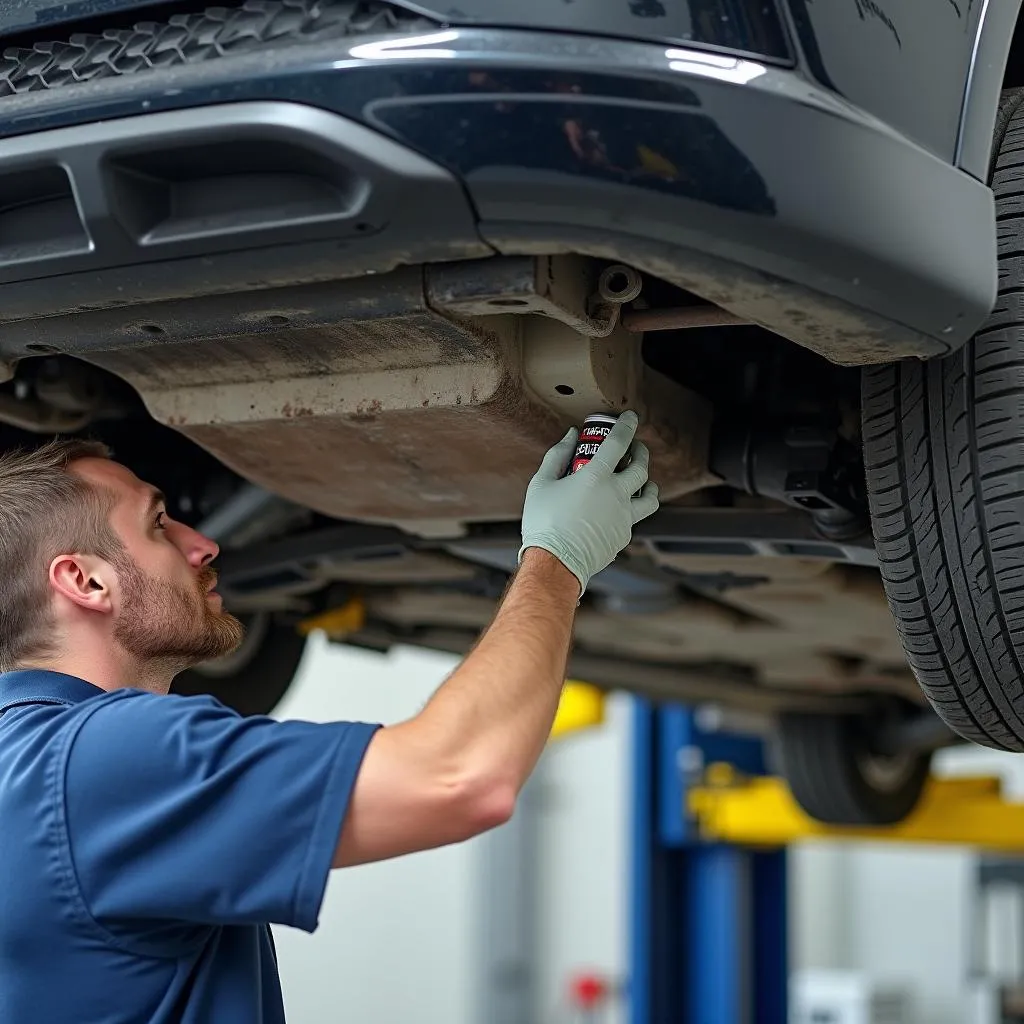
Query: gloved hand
[[587, 518]]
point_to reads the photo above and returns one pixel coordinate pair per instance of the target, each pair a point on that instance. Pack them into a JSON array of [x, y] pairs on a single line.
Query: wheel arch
[[995, 66]]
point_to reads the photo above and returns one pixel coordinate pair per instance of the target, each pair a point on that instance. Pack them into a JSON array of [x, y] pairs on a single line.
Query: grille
[[206, 35]]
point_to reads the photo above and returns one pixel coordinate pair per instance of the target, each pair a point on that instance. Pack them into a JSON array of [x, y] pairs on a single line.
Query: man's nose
[[198, 549]]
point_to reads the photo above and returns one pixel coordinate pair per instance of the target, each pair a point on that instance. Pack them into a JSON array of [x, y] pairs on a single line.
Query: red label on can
[[589, 441]]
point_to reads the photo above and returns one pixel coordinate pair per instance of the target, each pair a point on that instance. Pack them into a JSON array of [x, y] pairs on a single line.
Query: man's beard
[[175, 625]]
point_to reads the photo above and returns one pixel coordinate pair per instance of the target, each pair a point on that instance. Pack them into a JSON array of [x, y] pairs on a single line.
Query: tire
[[838, 777], [944, 459], [255, 678]]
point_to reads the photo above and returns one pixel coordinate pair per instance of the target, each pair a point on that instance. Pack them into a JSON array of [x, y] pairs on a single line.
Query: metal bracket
[[559, 287]]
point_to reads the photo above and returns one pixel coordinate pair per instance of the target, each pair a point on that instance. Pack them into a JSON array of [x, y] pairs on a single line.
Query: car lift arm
[[761, 812]]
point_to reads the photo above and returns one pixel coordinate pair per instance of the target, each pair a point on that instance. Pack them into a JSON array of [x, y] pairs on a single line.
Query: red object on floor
[[588, 990]]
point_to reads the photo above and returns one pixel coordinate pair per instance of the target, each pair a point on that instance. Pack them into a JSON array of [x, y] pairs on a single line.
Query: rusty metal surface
[[461, 458], [560, 287], [371, 405], [844, 334], [679, 318], [790, 631], [657, 681]]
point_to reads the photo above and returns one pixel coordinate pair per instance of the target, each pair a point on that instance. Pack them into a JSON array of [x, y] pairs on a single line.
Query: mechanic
[[150, 839]]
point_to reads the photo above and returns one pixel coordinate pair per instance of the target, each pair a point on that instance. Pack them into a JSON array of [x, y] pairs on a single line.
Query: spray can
[[594, 430]]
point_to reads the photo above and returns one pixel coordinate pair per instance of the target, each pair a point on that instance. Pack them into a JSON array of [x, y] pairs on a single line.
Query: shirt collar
[[41, 686]]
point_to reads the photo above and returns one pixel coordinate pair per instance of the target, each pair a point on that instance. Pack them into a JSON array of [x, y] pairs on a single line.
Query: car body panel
[[922, 55], [906, 63], [756, 28], [752, 28], [997, 24], [805, 219]]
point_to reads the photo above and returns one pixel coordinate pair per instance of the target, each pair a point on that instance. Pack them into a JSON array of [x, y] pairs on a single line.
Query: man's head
[[90, 558]]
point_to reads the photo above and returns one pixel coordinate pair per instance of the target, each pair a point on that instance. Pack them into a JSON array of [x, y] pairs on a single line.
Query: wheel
[[839, 776], [253, 679], [944, 460]]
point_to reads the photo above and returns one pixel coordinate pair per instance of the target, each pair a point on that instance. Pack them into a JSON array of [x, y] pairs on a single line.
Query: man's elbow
[[479, 805]]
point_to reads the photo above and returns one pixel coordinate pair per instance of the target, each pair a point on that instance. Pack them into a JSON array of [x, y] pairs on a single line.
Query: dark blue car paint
[[459, 77], [742, 26], [984, 85], [909, 63], [31, 16], [753, 27], [468, 101], [602, 117], [683, 122], [906, 62]]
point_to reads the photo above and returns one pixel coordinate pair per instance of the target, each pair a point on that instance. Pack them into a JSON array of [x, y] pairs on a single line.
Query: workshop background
[[535, 914]]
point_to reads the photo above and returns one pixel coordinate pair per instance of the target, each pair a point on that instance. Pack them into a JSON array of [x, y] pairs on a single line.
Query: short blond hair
[[45, 511]]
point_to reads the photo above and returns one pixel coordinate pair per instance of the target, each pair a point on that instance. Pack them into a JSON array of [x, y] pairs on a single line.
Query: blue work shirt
[[147, 844]]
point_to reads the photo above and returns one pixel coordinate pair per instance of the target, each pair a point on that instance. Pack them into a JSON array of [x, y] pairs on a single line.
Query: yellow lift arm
[[761, 812], [581, 707]]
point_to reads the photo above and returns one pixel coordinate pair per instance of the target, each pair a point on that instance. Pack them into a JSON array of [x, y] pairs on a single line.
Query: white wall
[[394, 942], [909, 923], [584, 862], [820, 905]]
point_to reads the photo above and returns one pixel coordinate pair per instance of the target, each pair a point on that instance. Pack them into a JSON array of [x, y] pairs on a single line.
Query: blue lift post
[[708, 920]]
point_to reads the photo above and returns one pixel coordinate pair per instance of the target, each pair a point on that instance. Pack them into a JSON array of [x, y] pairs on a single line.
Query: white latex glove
[[587, 518]]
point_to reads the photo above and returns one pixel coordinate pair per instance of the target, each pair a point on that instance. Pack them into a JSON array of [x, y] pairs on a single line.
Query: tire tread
[[949, 515]]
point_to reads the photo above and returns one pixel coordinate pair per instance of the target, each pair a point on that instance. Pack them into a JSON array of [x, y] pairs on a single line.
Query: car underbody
[[374, 437]]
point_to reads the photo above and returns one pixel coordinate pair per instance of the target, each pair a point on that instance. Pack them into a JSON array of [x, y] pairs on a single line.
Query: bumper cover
[[737, 180]]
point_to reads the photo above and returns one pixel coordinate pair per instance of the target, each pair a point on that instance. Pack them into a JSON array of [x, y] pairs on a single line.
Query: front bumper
[[737, 180]]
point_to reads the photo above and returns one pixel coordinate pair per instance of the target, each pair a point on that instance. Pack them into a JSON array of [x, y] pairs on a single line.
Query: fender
[[992, 46], [906, 62]]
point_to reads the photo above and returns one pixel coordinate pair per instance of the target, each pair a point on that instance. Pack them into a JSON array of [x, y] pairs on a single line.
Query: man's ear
[[85, 580]]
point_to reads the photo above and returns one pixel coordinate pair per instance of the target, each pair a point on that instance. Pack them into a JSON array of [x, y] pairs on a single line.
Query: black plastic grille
[[184, 39]]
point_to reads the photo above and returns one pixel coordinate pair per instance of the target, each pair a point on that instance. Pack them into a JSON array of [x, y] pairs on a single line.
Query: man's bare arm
[[456, 769]]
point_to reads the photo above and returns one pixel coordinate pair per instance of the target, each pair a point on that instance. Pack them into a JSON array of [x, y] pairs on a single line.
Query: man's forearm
[[455, 769], [495, 712]]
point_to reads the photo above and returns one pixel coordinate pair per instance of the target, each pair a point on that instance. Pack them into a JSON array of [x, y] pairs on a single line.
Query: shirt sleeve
[[178, 808]]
